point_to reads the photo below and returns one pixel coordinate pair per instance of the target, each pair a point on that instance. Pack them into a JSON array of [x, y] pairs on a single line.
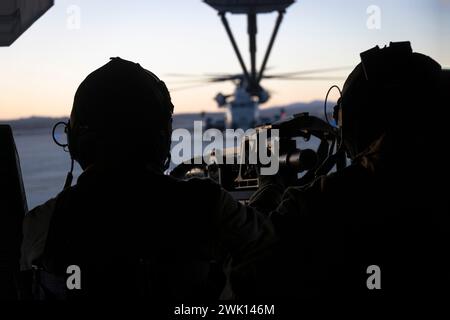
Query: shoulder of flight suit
[[238, 228], [248, 236], [306, 212], [35, 229], [36, 225], [238, 231], [311, 197]]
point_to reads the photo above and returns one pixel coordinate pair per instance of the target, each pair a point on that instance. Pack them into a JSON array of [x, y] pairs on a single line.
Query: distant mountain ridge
[[182, 120]]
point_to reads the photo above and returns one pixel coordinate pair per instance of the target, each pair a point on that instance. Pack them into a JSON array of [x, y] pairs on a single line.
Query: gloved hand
[[271, 189], [284, 178]]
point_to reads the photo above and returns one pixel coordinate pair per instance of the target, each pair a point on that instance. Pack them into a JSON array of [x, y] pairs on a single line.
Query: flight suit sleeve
[[35, 229], [269, 194], [242, 229], [249, 238], [297, 208], [286, 269]]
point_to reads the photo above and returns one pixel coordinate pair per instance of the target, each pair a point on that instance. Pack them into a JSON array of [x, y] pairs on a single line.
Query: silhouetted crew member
[[389, 208], [132, 230]]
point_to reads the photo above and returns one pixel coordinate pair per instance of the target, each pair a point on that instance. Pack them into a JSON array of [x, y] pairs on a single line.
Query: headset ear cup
[[167, 137], [336, 111], [164, 149], [71, 143]]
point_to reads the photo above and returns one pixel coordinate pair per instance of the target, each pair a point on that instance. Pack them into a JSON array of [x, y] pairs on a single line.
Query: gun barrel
[[299, 160]]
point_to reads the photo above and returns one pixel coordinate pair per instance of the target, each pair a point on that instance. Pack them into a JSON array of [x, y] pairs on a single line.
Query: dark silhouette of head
[[443, 113], [445, 86], [122, 115], [390, 92]]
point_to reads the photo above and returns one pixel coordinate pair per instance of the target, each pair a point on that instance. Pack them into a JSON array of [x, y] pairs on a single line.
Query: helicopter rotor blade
[[204, 78], [185, 75], [308, 72], [305, 78], [217, 75], [194, 86], [196, 81], [187, 81], [227, 78]]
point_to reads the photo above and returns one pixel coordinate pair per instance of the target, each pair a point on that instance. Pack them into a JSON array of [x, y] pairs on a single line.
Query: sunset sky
[[40, 72]]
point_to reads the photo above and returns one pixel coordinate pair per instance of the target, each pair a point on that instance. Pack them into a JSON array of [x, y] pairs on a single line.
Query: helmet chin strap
[[167, 162], [69, 177]]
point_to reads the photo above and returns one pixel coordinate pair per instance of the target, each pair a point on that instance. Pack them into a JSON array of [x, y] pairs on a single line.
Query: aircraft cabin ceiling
[[16, 16]]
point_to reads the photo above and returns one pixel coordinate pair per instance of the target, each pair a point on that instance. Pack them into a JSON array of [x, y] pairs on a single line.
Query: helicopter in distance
[[242, 106]]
